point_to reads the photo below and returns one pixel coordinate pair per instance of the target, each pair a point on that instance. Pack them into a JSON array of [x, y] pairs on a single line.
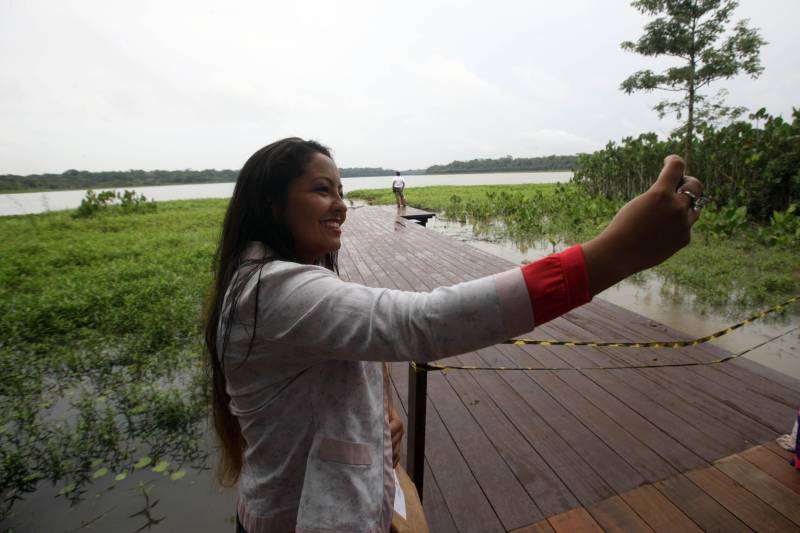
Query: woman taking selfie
[[300, 406]]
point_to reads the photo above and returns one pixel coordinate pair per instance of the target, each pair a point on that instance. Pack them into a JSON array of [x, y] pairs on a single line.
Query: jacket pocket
[[341, 451]]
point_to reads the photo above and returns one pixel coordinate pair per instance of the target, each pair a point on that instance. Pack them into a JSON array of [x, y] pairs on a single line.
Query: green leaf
[[100, 473], [95, 462], [67, 489], [161, 466], [32, 477], [120, 476], [178, 474], [143, 462]]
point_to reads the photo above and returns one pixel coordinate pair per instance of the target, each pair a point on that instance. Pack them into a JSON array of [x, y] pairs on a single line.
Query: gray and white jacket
[[310, 396]]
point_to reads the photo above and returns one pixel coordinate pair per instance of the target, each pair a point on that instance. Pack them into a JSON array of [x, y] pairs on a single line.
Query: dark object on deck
[[417, 404], [417, 215]]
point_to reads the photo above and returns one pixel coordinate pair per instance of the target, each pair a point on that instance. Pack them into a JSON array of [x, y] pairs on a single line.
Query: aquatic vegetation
[[437, 197], [100, 345], [127, 201]]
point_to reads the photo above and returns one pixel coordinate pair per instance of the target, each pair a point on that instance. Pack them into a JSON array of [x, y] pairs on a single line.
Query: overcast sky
[[110, 85]]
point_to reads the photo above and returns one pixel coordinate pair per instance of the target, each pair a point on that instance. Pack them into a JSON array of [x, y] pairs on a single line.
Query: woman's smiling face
[[315, 209]]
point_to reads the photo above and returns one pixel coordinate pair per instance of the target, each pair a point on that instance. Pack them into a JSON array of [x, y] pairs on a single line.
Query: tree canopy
[[690, 31], [506, 164]]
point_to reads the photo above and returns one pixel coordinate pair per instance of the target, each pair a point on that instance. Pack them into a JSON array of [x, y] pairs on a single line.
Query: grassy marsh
[[100, 345]]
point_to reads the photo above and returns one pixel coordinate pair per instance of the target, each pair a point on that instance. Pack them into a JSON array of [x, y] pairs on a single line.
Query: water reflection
[[145, 501]]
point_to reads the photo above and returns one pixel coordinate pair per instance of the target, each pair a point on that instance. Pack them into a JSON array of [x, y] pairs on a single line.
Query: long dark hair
[[262, 184]]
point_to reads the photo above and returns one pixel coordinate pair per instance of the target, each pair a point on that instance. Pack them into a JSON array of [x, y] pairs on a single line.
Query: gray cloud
[[104, 85]]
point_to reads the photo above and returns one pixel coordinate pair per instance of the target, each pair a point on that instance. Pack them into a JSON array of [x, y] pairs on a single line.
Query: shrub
[[94, 203]]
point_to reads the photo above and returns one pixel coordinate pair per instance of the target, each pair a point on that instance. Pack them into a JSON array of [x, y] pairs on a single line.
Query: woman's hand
[[647, 230], [396, 430]]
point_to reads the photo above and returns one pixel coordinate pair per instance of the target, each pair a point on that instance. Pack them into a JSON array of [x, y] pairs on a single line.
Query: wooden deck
[[580, 450]]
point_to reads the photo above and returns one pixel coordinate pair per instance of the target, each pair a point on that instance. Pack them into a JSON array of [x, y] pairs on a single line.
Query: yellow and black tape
[[426, 367]]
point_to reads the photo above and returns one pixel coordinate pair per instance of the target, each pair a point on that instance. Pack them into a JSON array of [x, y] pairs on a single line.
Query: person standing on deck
[[398, 185]]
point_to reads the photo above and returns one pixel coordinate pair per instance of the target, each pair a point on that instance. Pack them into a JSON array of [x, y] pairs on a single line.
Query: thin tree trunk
[[687, 150]]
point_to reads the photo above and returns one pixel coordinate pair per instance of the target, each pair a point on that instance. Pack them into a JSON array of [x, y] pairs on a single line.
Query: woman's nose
[[340, 204]]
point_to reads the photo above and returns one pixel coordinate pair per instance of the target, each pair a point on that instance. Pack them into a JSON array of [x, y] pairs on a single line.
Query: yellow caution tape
[[427, 367]]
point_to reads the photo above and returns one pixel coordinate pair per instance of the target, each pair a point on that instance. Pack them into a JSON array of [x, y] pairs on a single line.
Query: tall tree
[[689, 30]]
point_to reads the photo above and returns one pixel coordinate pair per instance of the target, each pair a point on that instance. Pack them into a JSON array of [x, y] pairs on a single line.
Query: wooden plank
[[652, 436], [569, 466], [669, 412], [508, 498], [436, 511], [774, 465], [779, 386], [769, 489], [780, 452], [539, 527], [771, 376], [610, 466], [739, 501], [739, 377], [575, 521], [547, 491], [437, 514], [677, 378], [711, 380], [648, 463], [701, 508], [663, 405], [699, 395], [657, 511], [465, 502], [614, 514]]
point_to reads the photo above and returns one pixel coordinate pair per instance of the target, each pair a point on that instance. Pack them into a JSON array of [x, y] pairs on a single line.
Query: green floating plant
[[66, 489], [143, 462]]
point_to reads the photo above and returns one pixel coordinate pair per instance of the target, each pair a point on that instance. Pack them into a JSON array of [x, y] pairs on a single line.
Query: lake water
[[27, 203]]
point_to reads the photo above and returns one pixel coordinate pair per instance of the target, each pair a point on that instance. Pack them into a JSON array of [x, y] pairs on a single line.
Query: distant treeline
[[362, 172], [84, 179], [507, 164]]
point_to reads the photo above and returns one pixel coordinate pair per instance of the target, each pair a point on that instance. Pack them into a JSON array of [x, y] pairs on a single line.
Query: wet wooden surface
[[583, 449]]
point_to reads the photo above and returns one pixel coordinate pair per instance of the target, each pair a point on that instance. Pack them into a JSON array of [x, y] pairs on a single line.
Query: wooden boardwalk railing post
[[417, 403]]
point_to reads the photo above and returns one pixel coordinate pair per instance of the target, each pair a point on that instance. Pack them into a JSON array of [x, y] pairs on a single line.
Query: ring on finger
[[697, 203]]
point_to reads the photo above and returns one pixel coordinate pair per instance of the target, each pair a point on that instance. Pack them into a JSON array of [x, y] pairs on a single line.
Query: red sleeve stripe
[[557, 284]]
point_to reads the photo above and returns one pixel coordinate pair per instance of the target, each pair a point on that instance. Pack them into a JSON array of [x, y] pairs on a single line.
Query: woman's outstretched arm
[[306, 314]]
